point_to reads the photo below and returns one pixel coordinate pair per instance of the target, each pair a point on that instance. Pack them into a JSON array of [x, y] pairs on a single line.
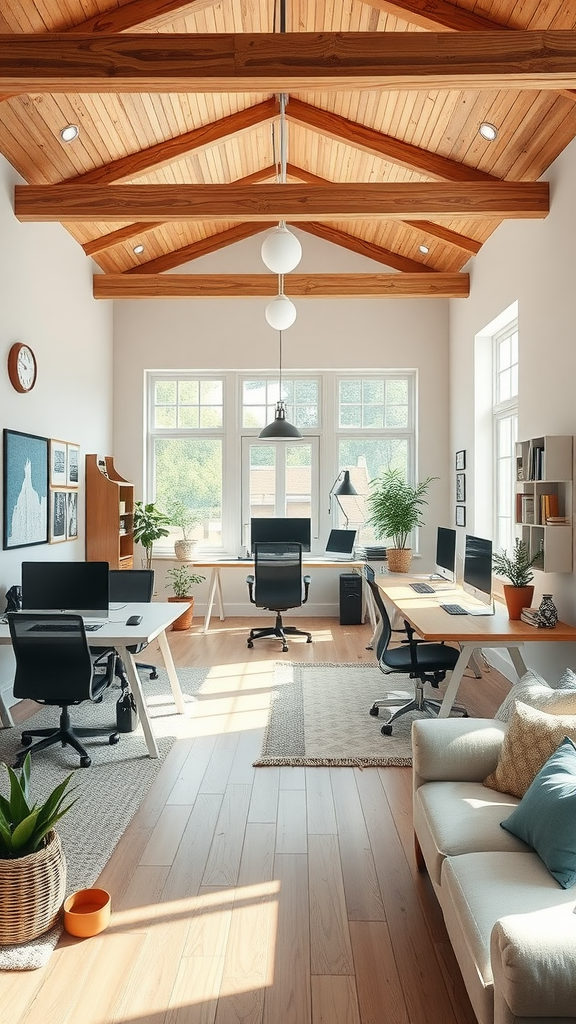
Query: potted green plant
[[395, 510], [32, 862], [516, 567], [150, 524], [186, 518], [181, 579]]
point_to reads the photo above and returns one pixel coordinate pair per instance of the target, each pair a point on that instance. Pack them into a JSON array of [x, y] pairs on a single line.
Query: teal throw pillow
[[545, 818]]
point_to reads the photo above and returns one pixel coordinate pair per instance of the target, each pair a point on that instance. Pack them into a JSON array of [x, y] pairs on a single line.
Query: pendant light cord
[[280, 367]]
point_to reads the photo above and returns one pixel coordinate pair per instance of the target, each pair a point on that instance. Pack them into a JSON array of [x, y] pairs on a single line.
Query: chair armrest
[[307, 580], [250, 582], [534, 964], [455, 749]]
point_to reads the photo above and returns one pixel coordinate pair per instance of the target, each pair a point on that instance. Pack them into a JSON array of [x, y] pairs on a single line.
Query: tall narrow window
[[505, 433]]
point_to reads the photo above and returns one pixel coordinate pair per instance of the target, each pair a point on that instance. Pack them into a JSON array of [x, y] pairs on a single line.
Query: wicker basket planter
[[32, 891], [399, 559]]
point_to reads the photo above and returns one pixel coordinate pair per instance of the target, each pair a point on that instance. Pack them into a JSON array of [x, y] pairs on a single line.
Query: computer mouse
[[134, 620]]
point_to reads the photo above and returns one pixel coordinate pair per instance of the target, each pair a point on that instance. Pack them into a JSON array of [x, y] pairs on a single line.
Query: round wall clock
[[22, 367]]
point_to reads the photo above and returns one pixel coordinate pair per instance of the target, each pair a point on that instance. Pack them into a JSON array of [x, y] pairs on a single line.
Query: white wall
[[233, 333], [46, 302], [531, 262]]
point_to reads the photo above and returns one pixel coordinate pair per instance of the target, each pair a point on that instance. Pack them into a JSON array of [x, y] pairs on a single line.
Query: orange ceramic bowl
[[87, 912]]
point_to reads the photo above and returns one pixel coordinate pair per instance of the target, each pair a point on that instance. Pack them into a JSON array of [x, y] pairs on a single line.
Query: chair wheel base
[[386, 730], [249, 643], [26, 739], [85, 761], [113, 739], [154, 674], [375, 711]]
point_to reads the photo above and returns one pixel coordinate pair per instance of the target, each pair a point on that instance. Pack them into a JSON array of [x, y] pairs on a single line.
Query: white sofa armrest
[[455, 749], [534, 965]]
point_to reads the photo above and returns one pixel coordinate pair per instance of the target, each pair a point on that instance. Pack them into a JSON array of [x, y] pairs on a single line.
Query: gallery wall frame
[[460, 515], [72, 465], [461, 459], [57, 463], [58, 515], [460, 486], [25, 495], [71, 515]]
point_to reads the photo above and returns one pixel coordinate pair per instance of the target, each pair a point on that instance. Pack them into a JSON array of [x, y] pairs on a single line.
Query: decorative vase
[[184, 550], [184, 621], [399, 559], [32, 891], [516, 599], [547, 612]]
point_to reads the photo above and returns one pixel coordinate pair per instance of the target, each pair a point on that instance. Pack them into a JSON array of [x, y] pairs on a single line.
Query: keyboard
[[422, 588], [454, 609], [61, 627]]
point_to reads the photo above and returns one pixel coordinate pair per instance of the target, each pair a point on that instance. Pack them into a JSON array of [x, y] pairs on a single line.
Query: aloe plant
[[23, 825]]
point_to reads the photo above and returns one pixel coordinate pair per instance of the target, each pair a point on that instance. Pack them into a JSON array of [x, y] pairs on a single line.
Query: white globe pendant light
[[281, 312], [281, 250]]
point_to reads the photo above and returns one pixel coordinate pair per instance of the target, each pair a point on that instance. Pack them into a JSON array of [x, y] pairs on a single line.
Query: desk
[[431, 622], [156, 617], [248, 566]]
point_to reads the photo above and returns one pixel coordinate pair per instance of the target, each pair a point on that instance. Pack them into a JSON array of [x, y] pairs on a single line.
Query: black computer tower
[[350, 599]]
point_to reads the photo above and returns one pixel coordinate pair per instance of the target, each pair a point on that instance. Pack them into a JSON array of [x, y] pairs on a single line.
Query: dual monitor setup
[[292, 529], [477, 578]]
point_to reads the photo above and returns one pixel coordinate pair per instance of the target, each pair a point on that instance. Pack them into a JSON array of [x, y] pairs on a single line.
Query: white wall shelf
[[544, 492]]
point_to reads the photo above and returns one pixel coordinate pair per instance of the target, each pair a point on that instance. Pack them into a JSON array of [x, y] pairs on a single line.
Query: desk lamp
[[344, 488]]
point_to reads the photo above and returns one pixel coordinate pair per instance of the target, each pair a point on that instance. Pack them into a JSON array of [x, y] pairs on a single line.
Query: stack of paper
[[530, 615]]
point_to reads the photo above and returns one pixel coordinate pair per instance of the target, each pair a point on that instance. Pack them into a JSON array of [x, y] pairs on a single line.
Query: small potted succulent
[[181, 580], [32, 862], [395, 510], [516, 567]]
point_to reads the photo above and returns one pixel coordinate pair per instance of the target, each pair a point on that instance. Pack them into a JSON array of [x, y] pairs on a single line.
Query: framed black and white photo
[[72, 454], [461, 459], [71, 515], [57, 463], [58, 515], [460, 486], [25, 489], [460, 515]]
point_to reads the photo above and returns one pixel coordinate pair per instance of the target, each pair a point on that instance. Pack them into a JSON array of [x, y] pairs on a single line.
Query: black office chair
[[54, 667], [277, 585], [128, 586], [423, 662]]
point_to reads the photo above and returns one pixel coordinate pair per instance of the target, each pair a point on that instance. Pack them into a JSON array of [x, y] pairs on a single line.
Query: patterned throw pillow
[[567, 680], [532, 689], [531, 737]]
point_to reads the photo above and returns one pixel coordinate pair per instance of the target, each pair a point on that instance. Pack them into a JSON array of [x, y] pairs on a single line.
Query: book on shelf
[[530, 615], [557, 521], [527, 505], [548, 507]]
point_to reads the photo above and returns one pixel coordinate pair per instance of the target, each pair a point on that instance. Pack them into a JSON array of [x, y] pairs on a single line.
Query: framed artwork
[[71, 515], [58, 514], [57, 463], [460, 515], [72, 456], [460, 486], [461, 459], [25, 489]]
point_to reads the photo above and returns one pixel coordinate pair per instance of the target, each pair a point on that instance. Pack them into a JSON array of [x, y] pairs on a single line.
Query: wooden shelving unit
[[109, 514], [544, 481]]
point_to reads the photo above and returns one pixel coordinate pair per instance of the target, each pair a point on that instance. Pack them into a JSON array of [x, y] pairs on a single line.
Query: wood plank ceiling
[[178, 109]]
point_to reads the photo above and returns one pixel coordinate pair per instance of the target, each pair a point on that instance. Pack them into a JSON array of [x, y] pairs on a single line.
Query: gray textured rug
[[319, 715], [108, 793]]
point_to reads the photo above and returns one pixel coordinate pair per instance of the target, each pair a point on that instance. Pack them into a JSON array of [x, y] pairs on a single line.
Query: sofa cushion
[[531, 737], [532, 689], [545, 818], [567, 680], [452, 818]]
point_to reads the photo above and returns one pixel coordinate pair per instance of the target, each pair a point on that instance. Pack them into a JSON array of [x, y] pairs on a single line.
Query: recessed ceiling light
[[138, 249], [488, 131], [424, 249], [69, 133]]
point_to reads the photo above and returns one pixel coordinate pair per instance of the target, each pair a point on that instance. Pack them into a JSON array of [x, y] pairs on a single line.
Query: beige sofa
[[512, 926]]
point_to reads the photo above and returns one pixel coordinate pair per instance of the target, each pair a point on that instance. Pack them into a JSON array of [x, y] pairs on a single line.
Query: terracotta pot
[[184, 550], [399, 559], [184, 621], [87, 912], [516, 599]]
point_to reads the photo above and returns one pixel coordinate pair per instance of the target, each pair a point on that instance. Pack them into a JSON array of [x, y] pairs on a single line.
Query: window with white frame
[[505, 432], [204, 451]]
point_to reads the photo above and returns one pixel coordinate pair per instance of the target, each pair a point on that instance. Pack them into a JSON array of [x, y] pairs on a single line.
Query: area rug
[[319, 715], [107, 794]]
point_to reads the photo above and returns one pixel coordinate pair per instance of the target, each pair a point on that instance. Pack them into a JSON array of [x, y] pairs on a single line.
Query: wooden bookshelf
[[544, 489], [109, 514]]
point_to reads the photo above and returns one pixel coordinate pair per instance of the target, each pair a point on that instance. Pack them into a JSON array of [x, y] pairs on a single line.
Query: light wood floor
[[249, 895]]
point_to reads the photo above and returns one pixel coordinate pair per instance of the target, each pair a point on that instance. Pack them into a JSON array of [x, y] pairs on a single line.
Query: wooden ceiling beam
[[363, 248], [319, 286], [139, 12], [203, 247], [503, 200], [283, 62], [434, 14], [367, 140], [164, 153]]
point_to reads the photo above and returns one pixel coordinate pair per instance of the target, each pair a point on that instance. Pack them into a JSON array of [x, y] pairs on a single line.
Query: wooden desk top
[[431, 622], [248, 563]]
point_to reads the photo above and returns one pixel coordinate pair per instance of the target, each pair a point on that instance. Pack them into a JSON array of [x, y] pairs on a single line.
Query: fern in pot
[[181, 580], [32, 862], [395, 510], [517, 568]]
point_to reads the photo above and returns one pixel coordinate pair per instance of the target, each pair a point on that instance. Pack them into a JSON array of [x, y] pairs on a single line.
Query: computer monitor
[[281, 530], [446, 554], [81, 587], [477, 579], [340, 544]]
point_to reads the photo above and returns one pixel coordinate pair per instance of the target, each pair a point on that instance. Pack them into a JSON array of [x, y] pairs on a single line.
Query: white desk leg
[[6, 720], [171, 670], [466, 651], [136, 688], [220, 598], [518, 661], [214, 576]]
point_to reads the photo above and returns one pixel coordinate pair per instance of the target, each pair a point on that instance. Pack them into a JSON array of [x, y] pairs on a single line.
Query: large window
[[505, 433], [204, 451]]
